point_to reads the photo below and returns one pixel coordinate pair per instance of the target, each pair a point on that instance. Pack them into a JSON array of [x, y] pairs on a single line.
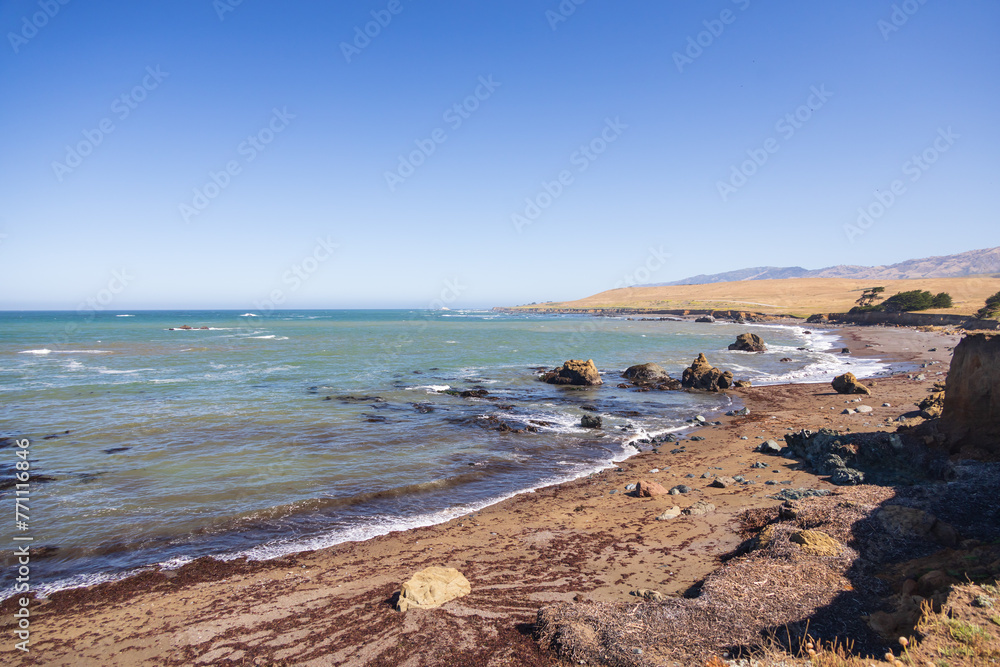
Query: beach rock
[[912, 522], [848, 384], [702, 375], [742, 384], [769, 447], [865, 409], [785, 359], [723, 482], [932, 407], [699, 508], [845, 350], [748, 342], [816, 542], [574, 372], [679, 489], [847, 477], [669, 514], [432, 587], [649, 594], [591, 421], [706, 319], [646, 374], [742, 412], [646, 489]]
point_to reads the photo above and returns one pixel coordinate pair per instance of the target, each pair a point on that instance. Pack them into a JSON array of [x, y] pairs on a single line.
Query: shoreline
[[272, 550], [578, 540]]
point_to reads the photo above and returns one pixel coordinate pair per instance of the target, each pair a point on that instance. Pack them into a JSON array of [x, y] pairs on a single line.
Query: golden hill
[[790, 296]]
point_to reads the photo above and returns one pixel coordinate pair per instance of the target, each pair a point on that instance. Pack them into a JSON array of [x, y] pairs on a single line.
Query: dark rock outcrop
[[574, 372], [706, 319], [591, 421], [872, 458], [971, 415], [705, 376], [933, 406], [748, 342], [650, 375], [848, 384]]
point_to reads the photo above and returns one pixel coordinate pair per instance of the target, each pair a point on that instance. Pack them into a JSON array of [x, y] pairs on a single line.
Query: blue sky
[[204, 154]]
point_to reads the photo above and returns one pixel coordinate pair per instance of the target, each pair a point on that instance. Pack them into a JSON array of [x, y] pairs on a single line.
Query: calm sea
[[264, 435]]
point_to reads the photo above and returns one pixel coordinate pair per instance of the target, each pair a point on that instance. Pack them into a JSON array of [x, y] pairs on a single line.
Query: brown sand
[[571, 541]]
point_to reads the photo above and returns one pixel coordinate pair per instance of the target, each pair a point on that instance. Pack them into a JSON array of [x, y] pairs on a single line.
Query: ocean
[[265, 434]]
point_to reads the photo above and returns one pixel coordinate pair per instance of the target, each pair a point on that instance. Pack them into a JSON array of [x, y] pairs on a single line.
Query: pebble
[[630, 487]]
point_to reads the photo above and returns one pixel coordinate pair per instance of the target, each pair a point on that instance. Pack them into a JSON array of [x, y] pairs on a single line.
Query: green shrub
[[991, 309], [942, 300], [904, 302]]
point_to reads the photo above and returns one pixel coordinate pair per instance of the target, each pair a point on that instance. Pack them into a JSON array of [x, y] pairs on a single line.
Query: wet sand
[[585, 540]]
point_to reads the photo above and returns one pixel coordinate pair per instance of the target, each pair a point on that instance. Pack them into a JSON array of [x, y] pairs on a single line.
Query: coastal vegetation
[[992, 308], [902, 302]]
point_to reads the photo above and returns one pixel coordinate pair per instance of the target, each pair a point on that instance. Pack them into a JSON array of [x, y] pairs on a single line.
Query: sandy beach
[[586, 540]]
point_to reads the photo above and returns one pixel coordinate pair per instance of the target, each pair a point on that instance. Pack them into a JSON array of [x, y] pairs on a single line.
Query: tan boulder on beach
[[432, 587]]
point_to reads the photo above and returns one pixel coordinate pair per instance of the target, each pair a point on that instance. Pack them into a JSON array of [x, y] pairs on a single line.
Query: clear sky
[[204, 154]]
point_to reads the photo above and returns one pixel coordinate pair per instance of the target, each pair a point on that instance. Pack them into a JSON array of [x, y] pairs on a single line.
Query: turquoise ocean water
[[264, 435]]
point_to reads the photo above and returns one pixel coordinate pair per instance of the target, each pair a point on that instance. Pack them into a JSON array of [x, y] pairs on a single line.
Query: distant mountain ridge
[[945, 266]]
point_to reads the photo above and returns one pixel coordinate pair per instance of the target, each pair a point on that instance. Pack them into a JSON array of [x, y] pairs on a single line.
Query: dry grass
[[750, 598], [794, 296], [772, 605]]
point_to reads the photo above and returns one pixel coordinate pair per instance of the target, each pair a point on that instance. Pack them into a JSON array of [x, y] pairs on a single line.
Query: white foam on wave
[[45, 351], [249, 315], [124, 315], [111, 371], [827, 365], [169, 381], [431, 388], [384, 525]]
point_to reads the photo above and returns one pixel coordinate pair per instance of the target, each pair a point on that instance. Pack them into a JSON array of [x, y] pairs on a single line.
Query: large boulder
[[748, 342], [848, 384], [703, 375], [646, 489], [432, 587], [650, 375], [971, 415], [575, 372], [645, 374]]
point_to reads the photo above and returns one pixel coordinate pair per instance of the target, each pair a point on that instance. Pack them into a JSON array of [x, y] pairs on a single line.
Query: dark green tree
[[991, 309], [904, 302], [869, 297], [942, 300]]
